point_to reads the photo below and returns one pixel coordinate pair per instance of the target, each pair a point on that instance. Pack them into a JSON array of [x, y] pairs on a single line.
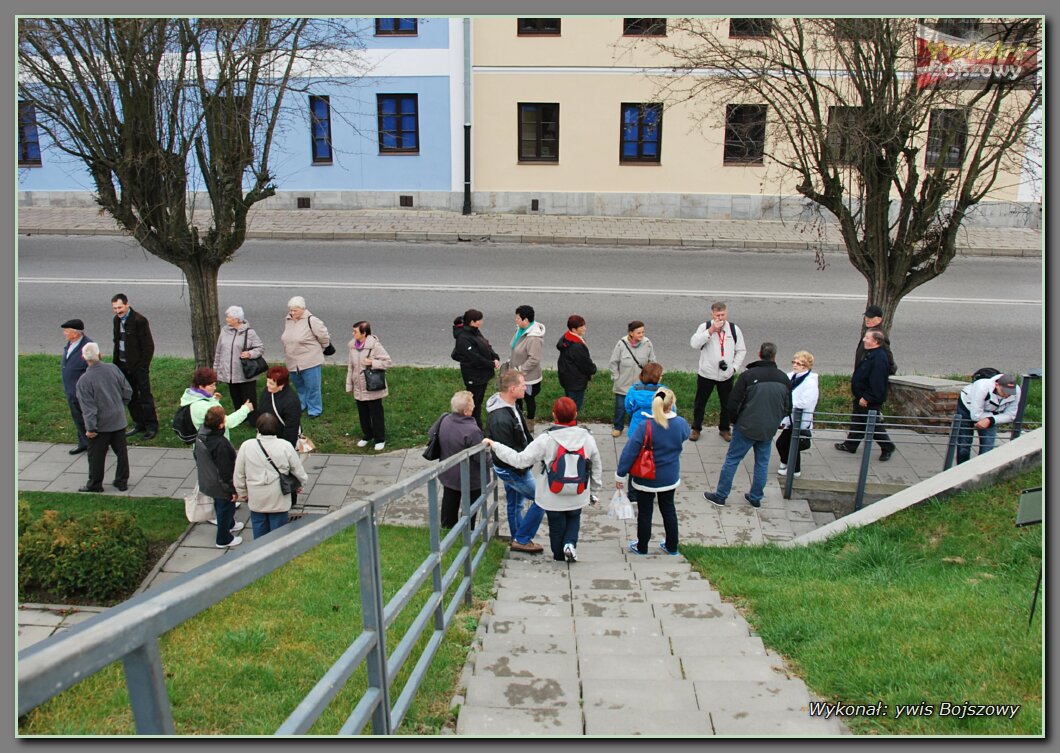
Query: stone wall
[[928, 401]]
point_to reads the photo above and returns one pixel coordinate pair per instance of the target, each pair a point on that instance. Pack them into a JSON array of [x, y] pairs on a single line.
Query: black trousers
[[142, 405], [373, 423], [239, 393], [478, 392], [858, 422], [783, 446], [645, 509], [79, 420], [451, 506], [704, 388], [530, 398], [97, 457]]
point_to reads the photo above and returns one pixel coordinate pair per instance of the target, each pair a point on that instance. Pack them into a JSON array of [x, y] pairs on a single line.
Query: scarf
[[519, 333], [797, 379]]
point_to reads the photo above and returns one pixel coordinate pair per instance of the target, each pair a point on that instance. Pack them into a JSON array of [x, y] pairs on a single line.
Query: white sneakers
[[379, 446], [238, 527], [783, 471], [569, 553], [236, 541], [362, 443]]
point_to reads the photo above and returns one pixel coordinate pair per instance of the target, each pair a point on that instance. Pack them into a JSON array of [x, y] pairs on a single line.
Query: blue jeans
[[225, 512], [620, 413], [563, 527], [307, 383], [519, 485], [738, 447], [263, 522], [577, 396], [987, 437]]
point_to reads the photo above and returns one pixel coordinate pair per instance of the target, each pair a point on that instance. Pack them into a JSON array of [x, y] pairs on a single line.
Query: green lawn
[[417, 397], [242, 666], [930, 605]]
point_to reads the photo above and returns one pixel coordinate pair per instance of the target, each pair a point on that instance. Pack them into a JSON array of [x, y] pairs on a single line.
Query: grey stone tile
[[348, 461], [170, 467], [338, 475], [34, 447], [494, 721], [523, 692], [616, 610], [526, 665], [151, 486], [30, 634], [26, 458], [32, 486], [520, 643], [601, 694], [717, 668], [186, 559], [687, 646], [388, 467], [632, 667], [530, 625], [519, 609], [324, 495], [637, 720], [609, 626], [146, 456], [40, 617], [44, 470], [617, 646], [552, 594]]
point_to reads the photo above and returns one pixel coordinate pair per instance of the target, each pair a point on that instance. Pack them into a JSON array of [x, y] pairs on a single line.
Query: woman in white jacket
[[564, 495], [804, 393], [258, 482]]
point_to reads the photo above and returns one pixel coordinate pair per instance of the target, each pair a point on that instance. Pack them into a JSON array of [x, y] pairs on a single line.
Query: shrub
[[25, 516], [97, 557]]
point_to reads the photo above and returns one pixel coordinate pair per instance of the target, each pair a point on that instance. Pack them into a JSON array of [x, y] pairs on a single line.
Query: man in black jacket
[[869, 384], [873, 320], [476, 357], [758, 403], [133, 350], [505, 424]]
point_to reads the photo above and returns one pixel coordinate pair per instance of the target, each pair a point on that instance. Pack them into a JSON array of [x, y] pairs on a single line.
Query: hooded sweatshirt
[[575, 367], [526, 355], [201, 403], [540, 453]]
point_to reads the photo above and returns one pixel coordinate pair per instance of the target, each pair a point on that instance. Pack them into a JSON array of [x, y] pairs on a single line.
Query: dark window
[[745, 134], [644, 27], [750, 27], [399, 129], [845, 139], [641, 133], [538, 132], [390, 27], [28, 140], [538, 26], [947, 137], [320, 115], [964, 28]]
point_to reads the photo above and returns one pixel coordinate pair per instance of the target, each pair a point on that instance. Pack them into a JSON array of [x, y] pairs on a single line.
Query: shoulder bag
[[303, 445], [288, 482], [433, 450], [330, 349], [252, 367], [374, 379], [644, 465], [639, 365]]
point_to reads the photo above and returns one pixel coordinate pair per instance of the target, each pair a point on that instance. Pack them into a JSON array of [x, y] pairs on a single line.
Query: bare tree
[[161, 108], [898, 156]]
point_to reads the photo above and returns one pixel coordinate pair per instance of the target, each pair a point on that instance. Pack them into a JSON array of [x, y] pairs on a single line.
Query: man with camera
[[721, 353]]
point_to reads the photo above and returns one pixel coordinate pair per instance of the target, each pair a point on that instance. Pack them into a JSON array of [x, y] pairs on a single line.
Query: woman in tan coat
[[367, 351], [259, 463], [305, 343]]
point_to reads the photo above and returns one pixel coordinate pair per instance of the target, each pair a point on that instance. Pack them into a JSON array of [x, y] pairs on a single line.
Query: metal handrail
[[131, 631]]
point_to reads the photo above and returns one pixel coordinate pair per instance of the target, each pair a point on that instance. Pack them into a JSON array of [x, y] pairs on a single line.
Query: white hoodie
[[542, 451]]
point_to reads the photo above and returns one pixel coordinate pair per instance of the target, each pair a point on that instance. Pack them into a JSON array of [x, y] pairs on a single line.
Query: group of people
[[753, 405]]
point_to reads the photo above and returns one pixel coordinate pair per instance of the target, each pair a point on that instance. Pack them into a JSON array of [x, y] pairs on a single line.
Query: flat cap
[[73, 324]]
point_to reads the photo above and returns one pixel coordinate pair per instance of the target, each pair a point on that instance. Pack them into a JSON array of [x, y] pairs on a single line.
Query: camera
[[723, 365]]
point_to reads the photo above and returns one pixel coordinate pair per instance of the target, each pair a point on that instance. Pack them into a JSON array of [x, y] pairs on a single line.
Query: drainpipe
[[467, 115]]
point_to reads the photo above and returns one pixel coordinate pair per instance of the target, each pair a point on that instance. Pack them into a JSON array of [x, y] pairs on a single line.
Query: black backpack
[[987, 372], [183, 425]]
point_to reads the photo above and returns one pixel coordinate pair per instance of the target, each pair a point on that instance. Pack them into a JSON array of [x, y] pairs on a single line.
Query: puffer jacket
[[575, 367], [625, 369], [638, 403], [303, 347], [258, 482], [526, 355], [201, 402], [355, 368], [505, 424], [542, 451], [226, 360], [760, 400], [474, 354]]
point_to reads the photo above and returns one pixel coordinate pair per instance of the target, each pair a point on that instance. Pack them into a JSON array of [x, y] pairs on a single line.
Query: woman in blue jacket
[[668, 433], [639, 396]]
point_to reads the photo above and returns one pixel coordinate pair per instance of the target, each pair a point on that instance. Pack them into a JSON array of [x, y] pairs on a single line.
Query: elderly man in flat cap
[[73, 367], [103, 392]]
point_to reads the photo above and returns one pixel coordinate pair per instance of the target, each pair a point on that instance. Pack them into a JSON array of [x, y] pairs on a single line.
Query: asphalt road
[[981, 311]]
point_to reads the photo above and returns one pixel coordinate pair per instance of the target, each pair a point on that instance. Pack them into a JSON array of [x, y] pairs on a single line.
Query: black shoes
[[754, 502], [134, 430], [886, 455], [78, 450], [844, 447], [94, 490], [122, 486], [149, 434]]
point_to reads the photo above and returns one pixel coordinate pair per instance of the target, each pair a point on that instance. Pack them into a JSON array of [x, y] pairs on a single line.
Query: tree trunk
[[201, 275]]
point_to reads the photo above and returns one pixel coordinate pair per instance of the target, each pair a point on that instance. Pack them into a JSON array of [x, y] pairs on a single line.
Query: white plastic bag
[[198, 507], [620, 508]]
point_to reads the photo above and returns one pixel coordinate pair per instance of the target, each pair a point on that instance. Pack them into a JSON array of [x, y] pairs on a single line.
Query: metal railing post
[[1025, 391], [484, 480], [372, 604], [436, 548], [863, 475], [951, 446], [465, 511], [146, 682], [793, 450]]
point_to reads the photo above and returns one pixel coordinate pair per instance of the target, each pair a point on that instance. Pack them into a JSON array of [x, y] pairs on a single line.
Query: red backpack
[[569, 471]]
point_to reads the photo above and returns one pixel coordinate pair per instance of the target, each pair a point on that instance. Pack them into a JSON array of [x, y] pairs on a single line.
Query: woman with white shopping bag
[[661, 437]]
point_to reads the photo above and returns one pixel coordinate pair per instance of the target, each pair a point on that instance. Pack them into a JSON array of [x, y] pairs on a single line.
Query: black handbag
[[374, 379], [288, 482], [804, 440], [252, 367], [329, 350], [433, 451]]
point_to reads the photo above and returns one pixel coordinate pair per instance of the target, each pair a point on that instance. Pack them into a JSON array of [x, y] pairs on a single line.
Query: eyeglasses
[[799, 363]]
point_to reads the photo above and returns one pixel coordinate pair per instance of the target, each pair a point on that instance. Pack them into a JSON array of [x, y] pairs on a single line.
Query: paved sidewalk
[[439, 226], [613, 644]]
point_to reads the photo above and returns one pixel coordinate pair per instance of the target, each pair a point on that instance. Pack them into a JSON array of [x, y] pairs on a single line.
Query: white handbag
[[198, 508]]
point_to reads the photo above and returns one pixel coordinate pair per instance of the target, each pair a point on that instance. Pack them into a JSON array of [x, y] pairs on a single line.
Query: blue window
[[320, 116], [402, 27], [641, 132], [28, 141], [399, 128]]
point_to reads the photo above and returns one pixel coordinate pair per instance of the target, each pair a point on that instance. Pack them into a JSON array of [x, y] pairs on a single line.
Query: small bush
[[97, 557], [25, 516]]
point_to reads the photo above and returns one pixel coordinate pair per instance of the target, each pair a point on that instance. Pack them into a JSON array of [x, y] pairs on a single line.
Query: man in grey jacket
[[759, 402], [103, 392]]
